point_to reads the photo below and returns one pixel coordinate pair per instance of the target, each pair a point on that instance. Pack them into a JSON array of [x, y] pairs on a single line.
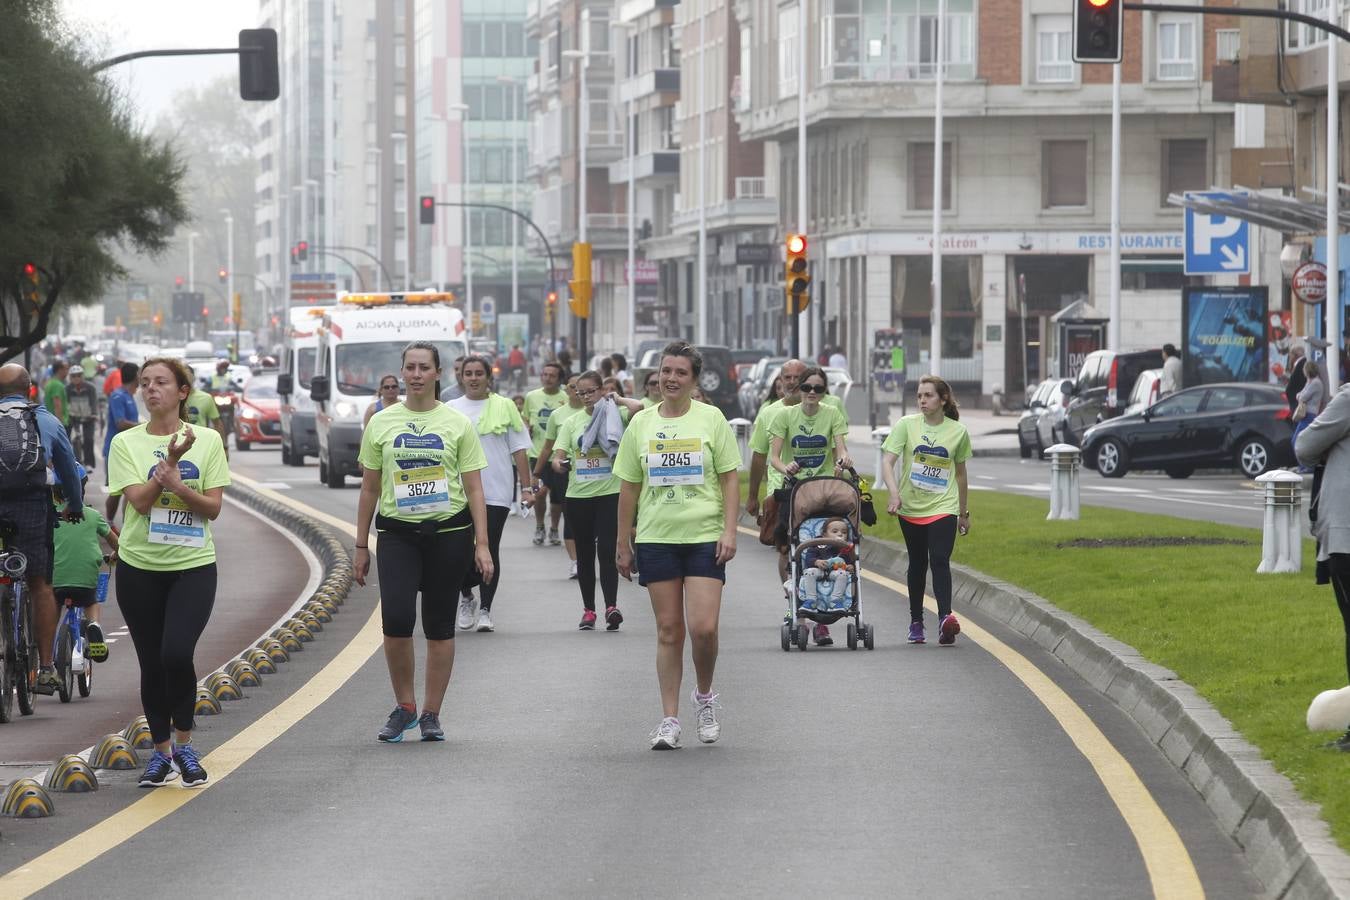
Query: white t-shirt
[[837, 361], [499, 478]]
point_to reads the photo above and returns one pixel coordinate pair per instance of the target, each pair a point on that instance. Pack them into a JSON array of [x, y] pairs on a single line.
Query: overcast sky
[[124, 26]]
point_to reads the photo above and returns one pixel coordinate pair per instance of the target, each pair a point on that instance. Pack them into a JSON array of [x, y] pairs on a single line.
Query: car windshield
[[304, 365], [361, 366], [261, 387]]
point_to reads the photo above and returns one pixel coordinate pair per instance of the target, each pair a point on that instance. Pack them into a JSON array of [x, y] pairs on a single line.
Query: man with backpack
[[30, 436]]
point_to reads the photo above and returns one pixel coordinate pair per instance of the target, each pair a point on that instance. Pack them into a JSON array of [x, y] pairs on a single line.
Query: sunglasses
[[813, 389], [388, 387], [652, 383]]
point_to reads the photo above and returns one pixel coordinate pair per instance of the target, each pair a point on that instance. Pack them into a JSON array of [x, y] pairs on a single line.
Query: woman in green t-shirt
[[651, 390], [931, 498], [173, 477], [677, 464], [421, 463], [593, 495]]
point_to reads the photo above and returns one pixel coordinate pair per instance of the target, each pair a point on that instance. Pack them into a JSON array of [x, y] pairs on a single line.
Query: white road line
[[1207, 492], [1114, 490], [1028, 487], [275, 485]]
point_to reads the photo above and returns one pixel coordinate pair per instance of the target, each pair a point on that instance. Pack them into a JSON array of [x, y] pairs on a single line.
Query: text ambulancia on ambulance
[[360, 340]]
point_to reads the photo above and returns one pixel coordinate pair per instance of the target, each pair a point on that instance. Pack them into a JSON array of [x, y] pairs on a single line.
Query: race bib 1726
[[171, 522]]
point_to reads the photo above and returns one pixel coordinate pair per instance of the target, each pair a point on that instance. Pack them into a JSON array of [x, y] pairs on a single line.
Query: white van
[[299, 348], [360, 341]]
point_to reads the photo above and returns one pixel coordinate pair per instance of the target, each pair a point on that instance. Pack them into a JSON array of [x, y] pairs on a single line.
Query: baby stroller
[[813, 502]]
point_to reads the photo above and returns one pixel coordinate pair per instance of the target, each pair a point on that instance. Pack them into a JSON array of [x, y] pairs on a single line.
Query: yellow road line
[[88, 845], [1170, 868]]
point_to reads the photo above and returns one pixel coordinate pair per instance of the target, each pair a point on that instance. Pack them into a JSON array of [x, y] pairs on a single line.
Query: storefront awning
[[1284, 214]]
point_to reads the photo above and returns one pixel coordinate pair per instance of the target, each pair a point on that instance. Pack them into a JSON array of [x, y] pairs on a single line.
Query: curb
[[1283, 837]]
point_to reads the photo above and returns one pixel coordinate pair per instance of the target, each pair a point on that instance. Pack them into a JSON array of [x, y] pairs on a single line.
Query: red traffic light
[[426, 214], [427, 203], [1100, 3], [178, 281], [29, 270], [796, 243], [552, 298], [205, 312]]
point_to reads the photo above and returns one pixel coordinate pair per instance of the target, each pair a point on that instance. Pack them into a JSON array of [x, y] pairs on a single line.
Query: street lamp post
[[466, 245], [702, 317], [514, 84], [229, 276]]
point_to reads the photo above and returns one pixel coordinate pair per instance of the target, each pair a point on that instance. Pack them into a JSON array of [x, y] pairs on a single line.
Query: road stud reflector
[[71, 775], [288, 639], [301, 631], [223, 687], [243, 673], [26, 799], [260, 661], [312, 622], [320, 612], [114, 752], [138, 734], [206, 703]]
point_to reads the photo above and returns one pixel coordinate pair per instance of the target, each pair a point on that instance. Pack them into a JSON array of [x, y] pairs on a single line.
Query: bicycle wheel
[[61, 659], [8, 664], [85, 681], [26, 656]]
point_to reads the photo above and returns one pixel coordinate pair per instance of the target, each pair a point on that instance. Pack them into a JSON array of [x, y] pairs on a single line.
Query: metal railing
[[750, 189]]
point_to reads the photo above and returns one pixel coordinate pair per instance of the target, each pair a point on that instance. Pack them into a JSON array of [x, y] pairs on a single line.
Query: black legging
[[930, 547], [595, 527], [1339, 567], [433, 565], [166, 612], [496, 522]]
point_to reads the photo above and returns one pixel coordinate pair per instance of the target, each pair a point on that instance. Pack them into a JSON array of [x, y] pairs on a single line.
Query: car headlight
[[249, 413], [345, 409]]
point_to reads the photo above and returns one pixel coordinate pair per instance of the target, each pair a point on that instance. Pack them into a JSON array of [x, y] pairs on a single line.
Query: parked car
[[259, 419], [718, 378], [756, 386], [1098, 393], [1239, 425], [1146, 390], [1038, 426], [839, 383]]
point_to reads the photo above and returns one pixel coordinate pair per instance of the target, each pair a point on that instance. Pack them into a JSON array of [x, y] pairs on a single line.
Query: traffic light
[[206, 312], [302, 251], [551, 305], [259, 78], [178, 281], [30, 272], [580, 285], [1097, 30], [426, 213], [797, 275], [223, 274], [158, 319]]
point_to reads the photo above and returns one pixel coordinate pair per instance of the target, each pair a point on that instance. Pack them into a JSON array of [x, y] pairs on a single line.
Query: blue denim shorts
[[667, 562]]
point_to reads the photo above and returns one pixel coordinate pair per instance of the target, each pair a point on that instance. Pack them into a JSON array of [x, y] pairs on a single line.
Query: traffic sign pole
[[1333, 155], [1113, 316]]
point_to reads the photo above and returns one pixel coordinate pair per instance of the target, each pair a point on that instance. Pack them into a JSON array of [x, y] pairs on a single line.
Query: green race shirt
[[201, 409], [420, 457], [591, 474], [172, 537], [760, 443], [648, 402], [539, 407], [556, 420], [929, 456], [56, 388], [678, 463], [77, 551], [808, 440]]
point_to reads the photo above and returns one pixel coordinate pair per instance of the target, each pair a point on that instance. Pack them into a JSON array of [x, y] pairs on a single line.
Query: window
[[1183, 404], [921, 175], [1229, 44], [1225, 398], [743, 97], [1176, 48], [492, 40], [1064, 181], [473, 39], [787, 52], [1184, 166], [1054, 52]]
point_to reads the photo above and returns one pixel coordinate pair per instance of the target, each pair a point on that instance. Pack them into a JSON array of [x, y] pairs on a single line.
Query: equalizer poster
[[1224, 334]]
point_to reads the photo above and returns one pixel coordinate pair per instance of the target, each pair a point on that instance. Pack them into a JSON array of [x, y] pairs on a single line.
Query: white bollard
[[742, 429], [1282, 534], [879, 435], [1064, 462]]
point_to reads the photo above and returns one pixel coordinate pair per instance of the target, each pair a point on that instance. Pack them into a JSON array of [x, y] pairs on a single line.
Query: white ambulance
[[360, 341], [298, 435]]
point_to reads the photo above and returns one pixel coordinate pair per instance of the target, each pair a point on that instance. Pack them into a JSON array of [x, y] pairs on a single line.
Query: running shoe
[[539, 535], [96, 648], [572, 573], [916, 633], [614, 618], [666, 736], [158, 771], [430, 723], [47, 681], [587, 621], [709, 729], [553, 539], [823, 638], [466, 611], [948, 630], [485, 620], [400, 720], [189, 767], [1342, 743]]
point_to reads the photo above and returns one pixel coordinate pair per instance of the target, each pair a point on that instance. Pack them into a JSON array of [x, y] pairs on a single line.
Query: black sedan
[[1243, 426]]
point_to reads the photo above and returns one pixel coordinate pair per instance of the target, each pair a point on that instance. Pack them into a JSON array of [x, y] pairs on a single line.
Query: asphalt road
[[907, 771]]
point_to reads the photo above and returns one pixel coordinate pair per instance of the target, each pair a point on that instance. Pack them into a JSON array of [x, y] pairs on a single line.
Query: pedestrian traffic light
[[797, 277], [259, 78], [1097, 30], [580, 285], [206, 312], [223, 274], [302, 251], [427, 211]]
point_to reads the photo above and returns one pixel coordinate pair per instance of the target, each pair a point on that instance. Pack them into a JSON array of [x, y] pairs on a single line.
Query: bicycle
[[73, 666], [18, 667]]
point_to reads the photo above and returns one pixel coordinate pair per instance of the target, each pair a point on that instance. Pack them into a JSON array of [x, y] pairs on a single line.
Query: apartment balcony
[[661, 165], [636, 9], [751, 207], [604, 146], [657, 81], [607, 231]]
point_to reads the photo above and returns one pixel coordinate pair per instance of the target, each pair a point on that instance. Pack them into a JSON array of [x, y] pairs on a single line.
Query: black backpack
[[23, 460]]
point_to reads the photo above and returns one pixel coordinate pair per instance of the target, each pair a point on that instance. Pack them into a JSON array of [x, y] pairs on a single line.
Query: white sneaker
[[667, 735], [709, 729], [572, 574], [466, 611], [485, 620]]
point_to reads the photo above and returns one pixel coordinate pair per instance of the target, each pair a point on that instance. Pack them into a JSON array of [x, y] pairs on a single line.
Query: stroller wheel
[[803, 636], [868, 634], [852, 633], [785, 632]]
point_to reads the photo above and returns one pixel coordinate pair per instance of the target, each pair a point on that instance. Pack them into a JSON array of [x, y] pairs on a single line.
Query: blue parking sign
[[1215, 244]]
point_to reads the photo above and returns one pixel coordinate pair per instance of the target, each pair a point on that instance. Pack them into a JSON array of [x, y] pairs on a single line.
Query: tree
[[80, 180]]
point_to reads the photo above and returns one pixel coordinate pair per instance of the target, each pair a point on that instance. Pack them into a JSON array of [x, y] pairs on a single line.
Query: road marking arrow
[[1233, 258]]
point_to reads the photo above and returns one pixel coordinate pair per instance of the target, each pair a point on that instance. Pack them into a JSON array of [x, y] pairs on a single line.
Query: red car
[[259, 419]]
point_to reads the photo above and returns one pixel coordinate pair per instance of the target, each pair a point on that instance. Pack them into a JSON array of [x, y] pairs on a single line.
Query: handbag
[[866, 511], [1300, 412]]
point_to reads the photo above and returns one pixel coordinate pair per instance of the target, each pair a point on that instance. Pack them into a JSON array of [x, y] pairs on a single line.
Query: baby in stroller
[[826, 571]]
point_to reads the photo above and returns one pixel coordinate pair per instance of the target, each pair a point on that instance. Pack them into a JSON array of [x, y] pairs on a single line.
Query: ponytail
[[950, 408]]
